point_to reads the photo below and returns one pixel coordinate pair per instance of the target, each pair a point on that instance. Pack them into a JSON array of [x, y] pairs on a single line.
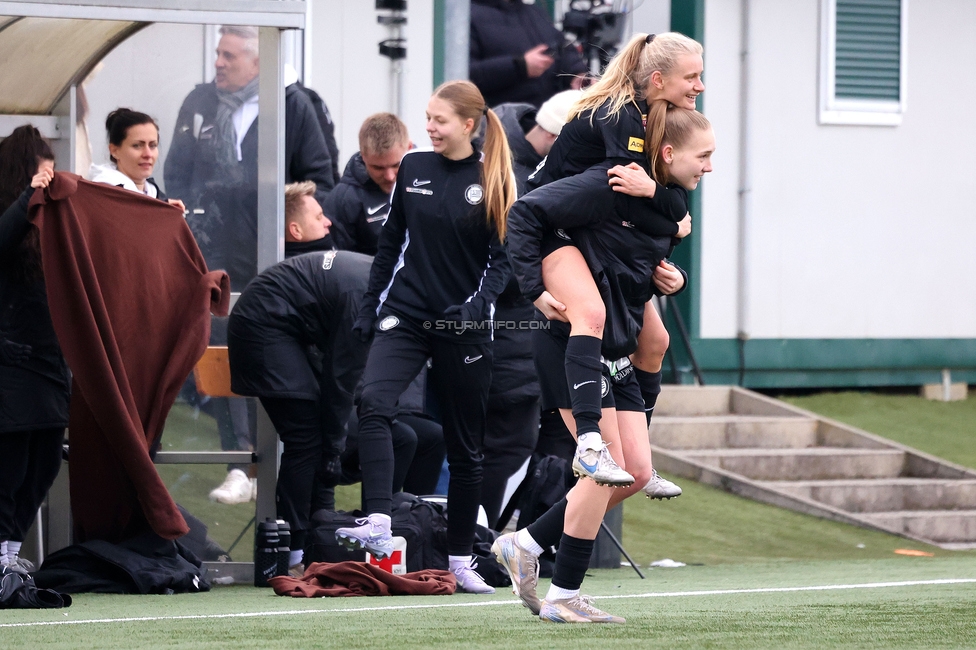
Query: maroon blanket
[[361, 579], [130, 299]]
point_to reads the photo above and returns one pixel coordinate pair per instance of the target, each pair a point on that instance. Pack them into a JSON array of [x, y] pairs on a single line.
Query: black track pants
[[460, 375]]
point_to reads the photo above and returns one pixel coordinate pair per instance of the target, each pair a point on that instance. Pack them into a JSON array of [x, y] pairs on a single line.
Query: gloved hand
[[464, 315], [363, 328], [13, 354]]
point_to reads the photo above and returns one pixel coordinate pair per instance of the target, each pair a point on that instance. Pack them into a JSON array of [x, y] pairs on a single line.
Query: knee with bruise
[[589, 317]]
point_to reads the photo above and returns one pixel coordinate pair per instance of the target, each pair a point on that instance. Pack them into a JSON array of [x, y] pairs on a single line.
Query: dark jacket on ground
[[359, 207], [518, 119], [502, 32], [222, 201], [34, 394], [437, 250]]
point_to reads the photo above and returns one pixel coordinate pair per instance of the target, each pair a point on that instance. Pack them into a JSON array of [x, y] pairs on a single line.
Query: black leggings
[[29, 463], [460, 374]]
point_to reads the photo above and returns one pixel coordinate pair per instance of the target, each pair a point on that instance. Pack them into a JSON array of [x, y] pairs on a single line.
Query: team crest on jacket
[[474, 194], [389, 323], [328, 259]]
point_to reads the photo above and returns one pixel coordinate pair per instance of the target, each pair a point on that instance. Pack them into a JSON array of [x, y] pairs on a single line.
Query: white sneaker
[[599, 465], [660, 488], [371, 534], [470, 582], [235, 489]]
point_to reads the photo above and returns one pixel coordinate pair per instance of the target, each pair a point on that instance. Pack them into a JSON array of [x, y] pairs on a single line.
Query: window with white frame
[[862, 61]]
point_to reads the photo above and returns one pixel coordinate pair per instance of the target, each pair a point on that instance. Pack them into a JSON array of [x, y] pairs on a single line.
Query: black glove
[[464, 315], [363, 328], [13, 354]]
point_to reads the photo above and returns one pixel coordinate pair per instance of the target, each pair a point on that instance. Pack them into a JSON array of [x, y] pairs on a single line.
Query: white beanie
[[552, 114]]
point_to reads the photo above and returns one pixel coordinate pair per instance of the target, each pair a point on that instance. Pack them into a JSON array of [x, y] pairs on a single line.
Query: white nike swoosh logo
[[418, 182], [576, 386], [372, 211], [472, 359]]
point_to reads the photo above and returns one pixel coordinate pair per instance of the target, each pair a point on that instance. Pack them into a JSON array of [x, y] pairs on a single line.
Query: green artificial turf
[[678, 615], [703, 526], [708, 526], [944, 429]]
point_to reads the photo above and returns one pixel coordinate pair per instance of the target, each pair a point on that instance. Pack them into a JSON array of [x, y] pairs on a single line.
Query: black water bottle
[[284, 546], [265, 552]]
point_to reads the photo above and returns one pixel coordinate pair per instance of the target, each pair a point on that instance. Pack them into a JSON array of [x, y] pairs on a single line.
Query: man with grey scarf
[[212, 162], [212, 166]]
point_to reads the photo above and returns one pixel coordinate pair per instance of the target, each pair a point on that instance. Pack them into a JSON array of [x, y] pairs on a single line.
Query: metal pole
[[271, 228], [620, 547], [457, 38]]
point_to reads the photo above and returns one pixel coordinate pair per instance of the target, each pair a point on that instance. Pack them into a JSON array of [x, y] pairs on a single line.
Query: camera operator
[[517, 55]]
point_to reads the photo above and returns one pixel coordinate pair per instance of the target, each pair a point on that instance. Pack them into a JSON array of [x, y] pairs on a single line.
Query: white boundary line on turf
[[491, 603]]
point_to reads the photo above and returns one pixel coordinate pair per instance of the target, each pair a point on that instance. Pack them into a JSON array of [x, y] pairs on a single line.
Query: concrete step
[[816, 463], [879, 495], [693, 400], [733, 431], [940, 526], [682, 401]]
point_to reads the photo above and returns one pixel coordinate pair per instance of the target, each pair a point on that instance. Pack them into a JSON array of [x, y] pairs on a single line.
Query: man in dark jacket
[[516, 55], [307, 229], [212, 166], [360, 202]]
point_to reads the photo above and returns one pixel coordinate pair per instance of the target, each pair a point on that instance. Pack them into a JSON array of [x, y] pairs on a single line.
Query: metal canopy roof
[[48, 45]]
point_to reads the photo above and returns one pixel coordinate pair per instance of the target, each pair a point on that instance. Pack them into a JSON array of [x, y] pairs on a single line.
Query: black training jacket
[[437, 250], [312, 300], [603, 224], [359, 207]]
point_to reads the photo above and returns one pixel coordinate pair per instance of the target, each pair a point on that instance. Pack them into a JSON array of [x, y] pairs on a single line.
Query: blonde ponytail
[[497, 177]]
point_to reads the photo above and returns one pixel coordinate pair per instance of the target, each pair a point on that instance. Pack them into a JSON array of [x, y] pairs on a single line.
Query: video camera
[[597, 27]]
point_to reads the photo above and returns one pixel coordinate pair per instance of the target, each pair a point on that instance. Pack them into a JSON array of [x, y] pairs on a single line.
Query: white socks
[[455, 562], [527, 543], [295, 557], [13, 550], [558, 593], [590, 440]]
